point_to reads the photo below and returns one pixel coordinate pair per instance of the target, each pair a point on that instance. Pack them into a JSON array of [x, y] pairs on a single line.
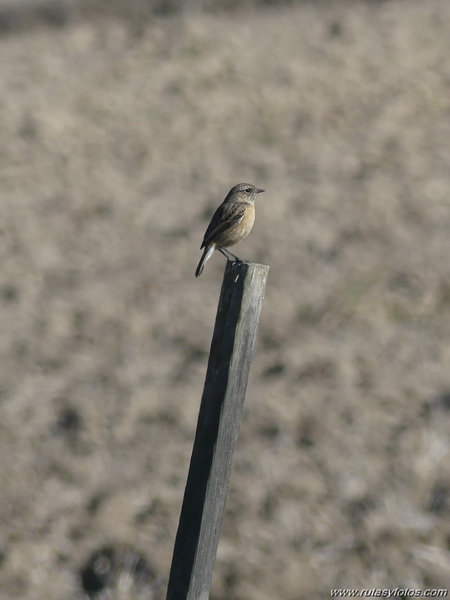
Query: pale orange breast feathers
[[239, 231]]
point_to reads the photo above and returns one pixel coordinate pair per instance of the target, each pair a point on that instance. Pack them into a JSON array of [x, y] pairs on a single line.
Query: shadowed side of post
[[218, 425]]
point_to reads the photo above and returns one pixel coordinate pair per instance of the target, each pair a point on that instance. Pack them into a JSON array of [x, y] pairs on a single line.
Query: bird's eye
[[248, 190]]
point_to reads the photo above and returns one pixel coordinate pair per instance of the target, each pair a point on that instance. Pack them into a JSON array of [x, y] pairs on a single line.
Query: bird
[[231, 223]]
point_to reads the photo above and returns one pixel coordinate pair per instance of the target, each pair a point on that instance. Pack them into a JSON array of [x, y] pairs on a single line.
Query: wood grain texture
[[217, 432]]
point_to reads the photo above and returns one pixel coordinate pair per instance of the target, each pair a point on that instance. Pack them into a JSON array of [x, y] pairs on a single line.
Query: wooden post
[[218, 425]]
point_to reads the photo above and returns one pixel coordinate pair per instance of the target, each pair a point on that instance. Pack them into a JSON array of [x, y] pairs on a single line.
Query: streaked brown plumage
[[231, 223]]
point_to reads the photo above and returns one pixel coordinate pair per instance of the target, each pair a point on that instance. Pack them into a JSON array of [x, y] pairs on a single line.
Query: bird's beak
[[258, 191]]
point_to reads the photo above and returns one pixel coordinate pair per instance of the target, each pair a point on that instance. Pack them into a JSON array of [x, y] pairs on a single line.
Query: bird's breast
[[238, 231]]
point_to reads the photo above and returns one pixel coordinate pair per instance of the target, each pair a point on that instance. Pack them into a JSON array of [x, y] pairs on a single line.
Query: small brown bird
[[231, 223]]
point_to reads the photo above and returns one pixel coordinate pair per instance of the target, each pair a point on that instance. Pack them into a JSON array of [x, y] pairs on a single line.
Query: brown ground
[[116, 146]]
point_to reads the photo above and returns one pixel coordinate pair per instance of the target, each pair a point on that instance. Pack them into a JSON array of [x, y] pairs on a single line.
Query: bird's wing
[[221, 221]]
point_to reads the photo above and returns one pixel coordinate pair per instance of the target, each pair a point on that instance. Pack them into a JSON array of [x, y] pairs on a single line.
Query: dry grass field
[[117, 144]]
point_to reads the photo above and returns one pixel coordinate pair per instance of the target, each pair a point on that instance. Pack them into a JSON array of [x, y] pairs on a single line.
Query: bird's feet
[[232, 257], [241, 261]]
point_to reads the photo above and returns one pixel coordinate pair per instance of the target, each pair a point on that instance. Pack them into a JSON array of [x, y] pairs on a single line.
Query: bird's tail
[[207, 253]]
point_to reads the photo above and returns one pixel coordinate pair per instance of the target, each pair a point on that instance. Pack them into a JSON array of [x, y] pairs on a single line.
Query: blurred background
[[123, 126]]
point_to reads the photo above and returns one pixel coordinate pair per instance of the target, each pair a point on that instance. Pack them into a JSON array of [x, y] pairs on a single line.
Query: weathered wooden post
[[218, 425]]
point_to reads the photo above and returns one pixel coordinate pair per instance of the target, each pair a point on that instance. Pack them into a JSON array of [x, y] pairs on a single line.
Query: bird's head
[[244, 192]]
